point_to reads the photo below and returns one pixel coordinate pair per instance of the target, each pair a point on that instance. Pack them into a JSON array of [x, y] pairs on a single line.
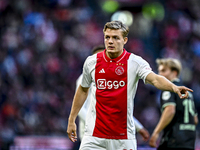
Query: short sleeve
[[87, 79], [144, 69], [167, 98]]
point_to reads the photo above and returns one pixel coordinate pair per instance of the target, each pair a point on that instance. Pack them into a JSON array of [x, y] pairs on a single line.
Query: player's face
[[166, 72], [114, 42]]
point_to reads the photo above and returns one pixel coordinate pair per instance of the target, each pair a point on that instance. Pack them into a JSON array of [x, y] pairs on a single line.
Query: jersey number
[[189, 108]]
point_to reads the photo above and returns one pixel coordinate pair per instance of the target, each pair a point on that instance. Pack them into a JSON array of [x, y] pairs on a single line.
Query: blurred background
[[43, 45]]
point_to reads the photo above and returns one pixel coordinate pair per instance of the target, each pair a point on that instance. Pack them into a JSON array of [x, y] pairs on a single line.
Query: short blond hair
[[173, 64], [115, 25]]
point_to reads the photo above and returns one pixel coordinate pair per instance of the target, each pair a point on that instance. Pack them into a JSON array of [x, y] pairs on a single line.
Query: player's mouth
[[111, 47]]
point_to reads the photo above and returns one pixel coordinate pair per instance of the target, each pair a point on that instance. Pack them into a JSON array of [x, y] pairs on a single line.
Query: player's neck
[[114, 55]]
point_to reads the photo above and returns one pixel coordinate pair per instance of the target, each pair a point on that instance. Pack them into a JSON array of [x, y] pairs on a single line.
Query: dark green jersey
[[181, 131]]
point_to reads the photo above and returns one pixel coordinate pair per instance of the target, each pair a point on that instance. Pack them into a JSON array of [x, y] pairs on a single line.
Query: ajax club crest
[[119, 70]]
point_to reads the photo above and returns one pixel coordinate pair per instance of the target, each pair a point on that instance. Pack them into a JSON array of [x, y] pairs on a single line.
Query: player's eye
[[107, 37]]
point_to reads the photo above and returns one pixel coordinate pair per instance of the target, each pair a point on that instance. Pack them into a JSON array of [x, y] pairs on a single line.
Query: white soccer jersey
[[113, 85]]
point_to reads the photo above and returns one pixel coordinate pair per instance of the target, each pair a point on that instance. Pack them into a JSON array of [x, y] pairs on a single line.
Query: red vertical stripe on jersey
[[111, 96]]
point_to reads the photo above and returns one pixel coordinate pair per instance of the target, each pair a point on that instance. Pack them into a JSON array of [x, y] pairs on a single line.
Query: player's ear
[[125, 40]]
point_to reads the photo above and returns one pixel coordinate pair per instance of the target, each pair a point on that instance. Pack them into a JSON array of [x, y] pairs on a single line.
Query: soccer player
[[83, 111], [179, 117], [113, 77]]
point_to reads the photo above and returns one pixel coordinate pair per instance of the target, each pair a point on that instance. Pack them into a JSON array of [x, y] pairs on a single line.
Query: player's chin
[[111, 50]]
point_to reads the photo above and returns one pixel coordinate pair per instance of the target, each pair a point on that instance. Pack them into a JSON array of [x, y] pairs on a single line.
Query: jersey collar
[[176, 80], [118, 59]]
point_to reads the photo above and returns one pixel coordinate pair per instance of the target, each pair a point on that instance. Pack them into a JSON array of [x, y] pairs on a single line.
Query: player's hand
[[71, 131], [182, 91], [153, 139], [144, 133]]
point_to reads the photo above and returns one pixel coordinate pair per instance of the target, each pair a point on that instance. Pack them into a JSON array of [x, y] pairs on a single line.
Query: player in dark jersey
[[179, 118]]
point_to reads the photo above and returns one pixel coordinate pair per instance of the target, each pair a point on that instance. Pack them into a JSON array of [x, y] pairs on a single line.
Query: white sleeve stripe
[[167, 104]]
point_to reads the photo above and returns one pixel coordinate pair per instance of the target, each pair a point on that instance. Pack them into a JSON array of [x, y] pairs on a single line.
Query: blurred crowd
[[43, 45]]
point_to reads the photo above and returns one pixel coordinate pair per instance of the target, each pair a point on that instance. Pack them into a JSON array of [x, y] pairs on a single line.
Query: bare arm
[[78, 101], [196, 120], [165, 119], [83, 112], [164, 84]]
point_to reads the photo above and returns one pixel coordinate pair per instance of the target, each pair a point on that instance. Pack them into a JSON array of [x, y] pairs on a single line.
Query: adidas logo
[[102, 71]]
